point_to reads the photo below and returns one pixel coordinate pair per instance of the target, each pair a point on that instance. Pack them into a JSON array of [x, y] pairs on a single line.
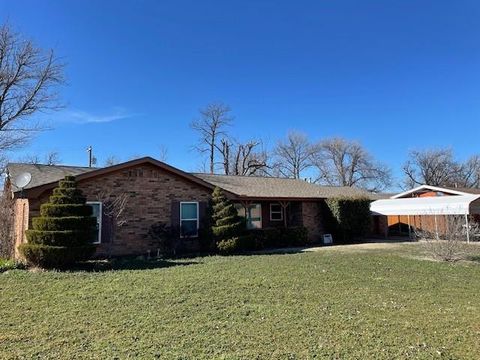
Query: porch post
[[284, 205], [436, 226], [245, 205], [468, 228], [409, 230]]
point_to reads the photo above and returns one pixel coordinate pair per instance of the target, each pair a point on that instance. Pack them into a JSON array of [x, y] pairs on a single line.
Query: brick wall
[[150, 194], [312, 219], [21, 218]]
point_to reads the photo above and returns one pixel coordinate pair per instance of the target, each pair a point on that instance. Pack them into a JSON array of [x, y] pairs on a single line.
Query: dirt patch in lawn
[[361, 247]]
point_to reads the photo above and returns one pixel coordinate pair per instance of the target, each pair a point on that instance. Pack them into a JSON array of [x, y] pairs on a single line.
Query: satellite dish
[[23, 180]]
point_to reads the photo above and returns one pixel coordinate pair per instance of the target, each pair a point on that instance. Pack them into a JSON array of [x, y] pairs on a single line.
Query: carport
[[464, 205]]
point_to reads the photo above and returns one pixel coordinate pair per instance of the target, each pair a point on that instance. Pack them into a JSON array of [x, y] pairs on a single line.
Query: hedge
[[348, 218]]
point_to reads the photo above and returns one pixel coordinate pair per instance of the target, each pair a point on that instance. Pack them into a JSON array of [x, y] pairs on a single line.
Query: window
[[276, 212], [189, 219], [254, 215], [97, 212]]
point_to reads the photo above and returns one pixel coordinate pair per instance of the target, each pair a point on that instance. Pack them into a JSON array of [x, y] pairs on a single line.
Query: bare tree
[[243, 158], [111, 160], [451, 244], [7, 240], [31, 159], [341, 162], [436, 167], [211, 127], [113, 213], [52, 158], [28, 79], [293, 155], [469, 177], [163, 153]]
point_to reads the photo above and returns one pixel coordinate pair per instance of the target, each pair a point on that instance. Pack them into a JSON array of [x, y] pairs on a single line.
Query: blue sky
[[394, 75]]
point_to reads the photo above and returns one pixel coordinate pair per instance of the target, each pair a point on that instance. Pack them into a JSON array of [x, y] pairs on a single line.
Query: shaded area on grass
[[475, 258], [117, 264]]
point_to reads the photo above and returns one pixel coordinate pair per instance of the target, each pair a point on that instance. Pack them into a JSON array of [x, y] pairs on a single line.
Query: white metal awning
[[437, 205]]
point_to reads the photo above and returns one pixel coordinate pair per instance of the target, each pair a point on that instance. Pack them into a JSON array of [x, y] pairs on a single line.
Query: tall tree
[[341, 162], [214, 118], [243, 158], [293, 155], [435, 167], [438, 167], [470, 174], [163, 153], [28, 80], [111, 160]]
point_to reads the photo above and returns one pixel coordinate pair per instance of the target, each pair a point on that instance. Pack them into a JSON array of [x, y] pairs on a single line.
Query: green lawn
[[344, 304]]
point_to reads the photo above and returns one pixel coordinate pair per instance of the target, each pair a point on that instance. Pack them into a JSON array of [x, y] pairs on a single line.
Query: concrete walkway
[[373, 244]]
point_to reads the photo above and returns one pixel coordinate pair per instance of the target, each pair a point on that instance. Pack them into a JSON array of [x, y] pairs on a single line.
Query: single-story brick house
[[157, 192]]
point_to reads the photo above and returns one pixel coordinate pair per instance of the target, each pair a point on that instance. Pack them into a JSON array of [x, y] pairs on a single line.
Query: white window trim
[[197, 219], [100, 220], [276, 212]]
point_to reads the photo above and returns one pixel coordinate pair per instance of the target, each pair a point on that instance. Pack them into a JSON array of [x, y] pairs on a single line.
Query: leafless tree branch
[[342, 162], [214, 118], [292, 156], [29, 77]]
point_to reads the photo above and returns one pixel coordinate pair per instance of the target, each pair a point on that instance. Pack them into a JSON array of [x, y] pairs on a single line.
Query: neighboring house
[[157, 192], [426, 207]]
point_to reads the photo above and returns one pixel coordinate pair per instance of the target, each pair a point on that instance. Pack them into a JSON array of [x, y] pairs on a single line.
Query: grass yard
[[335, 303]]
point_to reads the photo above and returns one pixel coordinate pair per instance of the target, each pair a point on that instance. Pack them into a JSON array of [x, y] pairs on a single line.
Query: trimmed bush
[[63, 233], [226, 224], [228, 246], [57, 238], [55, 257], [56, 210], [163, 236], [348, 218], [280, 237], [236, 245]]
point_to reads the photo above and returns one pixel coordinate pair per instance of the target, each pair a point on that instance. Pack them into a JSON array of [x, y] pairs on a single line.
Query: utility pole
[[90, 156]]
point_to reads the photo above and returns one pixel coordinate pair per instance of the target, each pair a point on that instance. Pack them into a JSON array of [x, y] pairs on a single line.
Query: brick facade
[[150, 194], [20, 223], [313, 219], [154, 194]]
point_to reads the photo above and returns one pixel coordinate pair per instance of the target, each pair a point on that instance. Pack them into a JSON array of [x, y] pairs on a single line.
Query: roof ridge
[[250, 176], [54, 166]]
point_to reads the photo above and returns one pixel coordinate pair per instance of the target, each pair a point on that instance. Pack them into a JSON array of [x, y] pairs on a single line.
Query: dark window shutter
[[106, 229], [202, 211], [175, 215]]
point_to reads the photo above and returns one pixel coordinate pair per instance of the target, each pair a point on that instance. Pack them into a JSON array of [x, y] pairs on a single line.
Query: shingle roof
[[43, 174], [242, 186], [271, 187]]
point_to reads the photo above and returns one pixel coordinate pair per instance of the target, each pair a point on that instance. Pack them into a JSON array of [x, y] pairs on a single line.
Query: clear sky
[[395, 75]]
